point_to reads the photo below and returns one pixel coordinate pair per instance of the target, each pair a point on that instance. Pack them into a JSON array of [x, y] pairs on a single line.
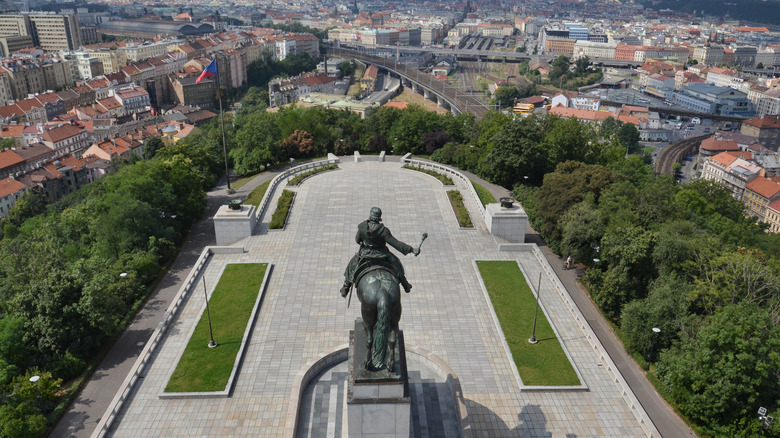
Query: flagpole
[[222, 122]]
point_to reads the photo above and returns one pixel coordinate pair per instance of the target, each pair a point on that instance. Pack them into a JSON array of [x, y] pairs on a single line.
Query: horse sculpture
[[380, 304]]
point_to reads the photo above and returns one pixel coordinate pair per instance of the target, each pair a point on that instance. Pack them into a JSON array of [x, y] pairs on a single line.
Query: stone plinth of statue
[[506, 220], [234, 224], [378, 402]]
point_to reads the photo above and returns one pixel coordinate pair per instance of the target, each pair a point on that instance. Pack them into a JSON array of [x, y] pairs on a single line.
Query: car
[[706, 130], [688, 158]]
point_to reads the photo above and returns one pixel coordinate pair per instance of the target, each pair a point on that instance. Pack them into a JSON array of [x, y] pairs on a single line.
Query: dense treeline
[[61, 292]]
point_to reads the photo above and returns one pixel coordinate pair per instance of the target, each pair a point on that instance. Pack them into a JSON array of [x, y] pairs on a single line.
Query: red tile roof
[[711, 144], [765, 122], [9, 158], [9, 186], [60, 133], [764, 187]]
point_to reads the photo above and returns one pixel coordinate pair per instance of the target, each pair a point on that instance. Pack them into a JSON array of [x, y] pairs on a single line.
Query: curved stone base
[[437, 406]]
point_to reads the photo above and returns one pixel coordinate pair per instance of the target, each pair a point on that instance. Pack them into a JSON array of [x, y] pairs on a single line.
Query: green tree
[[560, 67], [628, 137], [347, 69], [21, 420], [32, 203], [582, 65], [151, 146], [665, 307], [257, 143], [505, 96], [566, 187], [7, 143], [515, 151], [721, 374]]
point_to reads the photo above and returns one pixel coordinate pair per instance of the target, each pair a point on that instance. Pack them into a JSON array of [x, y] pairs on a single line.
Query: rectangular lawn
[[204, 369], [541, 364]]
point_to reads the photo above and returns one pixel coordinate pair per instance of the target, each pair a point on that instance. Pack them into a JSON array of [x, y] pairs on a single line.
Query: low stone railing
[[139, 366], [617, 377], [332, 159]]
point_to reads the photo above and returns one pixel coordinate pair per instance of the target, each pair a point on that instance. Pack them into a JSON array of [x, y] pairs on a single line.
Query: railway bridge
[[446, 96]]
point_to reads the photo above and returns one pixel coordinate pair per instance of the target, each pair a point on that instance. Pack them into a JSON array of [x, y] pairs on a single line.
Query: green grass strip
[[204, 369], [446, 180], [256, 196], [456, 200], [279, 217], [302, 176], [541, 364], [484, 195]]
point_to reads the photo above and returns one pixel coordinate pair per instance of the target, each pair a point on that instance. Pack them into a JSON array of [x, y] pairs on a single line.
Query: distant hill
[[752, 10]]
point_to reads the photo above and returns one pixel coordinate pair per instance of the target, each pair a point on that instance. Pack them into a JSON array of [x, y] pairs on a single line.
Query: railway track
[[675, 152]]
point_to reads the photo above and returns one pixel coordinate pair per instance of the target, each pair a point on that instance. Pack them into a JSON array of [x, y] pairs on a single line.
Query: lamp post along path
[[536, 312], [212, 344]]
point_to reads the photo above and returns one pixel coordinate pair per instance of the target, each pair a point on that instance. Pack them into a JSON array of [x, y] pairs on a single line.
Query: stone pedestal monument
[[378, 402], [234, 222], [506, 220]]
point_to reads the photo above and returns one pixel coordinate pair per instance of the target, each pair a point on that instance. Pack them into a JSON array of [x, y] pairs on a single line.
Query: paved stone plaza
[[303, 315]]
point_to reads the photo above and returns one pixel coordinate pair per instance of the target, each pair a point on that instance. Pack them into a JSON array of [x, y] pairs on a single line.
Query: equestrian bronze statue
[[378, 274]]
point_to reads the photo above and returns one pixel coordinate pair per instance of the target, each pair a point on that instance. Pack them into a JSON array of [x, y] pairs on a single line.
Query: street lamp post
[[35, 379], [124, 283], [212, 344], [532, 339], [656, 330], [767, 420]]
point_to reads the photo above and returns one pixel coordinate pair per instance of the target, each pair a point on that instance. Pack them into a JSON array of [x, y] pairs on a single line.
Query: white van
[[696, 121]]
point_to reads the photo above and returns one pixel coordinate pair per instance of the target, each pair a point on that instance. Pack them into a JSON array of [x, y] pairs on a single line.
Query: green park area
[[204, 369], [540, 364]]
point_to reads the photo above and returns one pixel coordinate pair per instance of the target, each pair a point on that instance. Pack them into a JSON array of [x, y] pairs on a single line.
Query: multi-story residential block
[[10, 163], [135, 51], [759, 193], [708, 54], [50, 31], [592, 50], [112, 60], [765, 128], [12, 43], [52, 104], [732, 170], [287, 90], [89, 67], [133, 99], [10, 191], [625, 52], [773, 217], [767, 56], [187, 92], [430, 35], [66, 139], [555, 46], [745, 56]]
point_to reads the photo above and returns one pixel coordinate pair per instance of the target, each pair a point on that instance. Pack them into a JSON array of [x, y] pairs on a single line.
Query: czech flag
[[211, 70]]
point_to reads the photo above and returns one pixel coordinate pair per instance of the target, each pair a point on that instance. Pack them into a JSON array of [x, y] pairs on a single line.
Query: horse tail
[[379, 353]]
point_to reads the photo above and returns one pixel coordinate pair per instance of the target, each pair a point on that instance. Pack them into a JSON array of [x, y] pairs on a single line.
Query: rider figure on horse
[[373, 238]]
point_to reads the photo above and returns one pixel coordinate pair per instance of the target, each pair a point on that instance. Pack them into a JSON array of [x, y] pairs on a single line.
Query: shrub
[[447, 181], [279, 217], [456, 200]]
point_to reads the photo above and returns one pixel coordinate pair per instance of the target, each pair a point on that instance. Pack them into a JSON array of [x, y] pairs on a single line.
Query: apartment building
[[49, 31]]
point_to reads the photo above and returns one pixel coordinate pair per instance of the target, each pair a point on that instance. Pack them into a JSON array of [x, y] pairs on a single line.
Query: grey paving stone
[[302, 315]]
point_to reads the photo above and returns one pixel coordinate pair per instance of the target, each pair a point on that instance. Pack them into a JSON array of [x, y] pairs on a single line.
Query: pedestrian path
[[302, 315]]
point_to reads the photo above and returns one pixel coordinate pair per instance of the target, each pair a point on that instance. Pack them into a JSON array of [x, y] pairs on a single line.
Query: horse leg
[[369, 319], [392, 339]]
